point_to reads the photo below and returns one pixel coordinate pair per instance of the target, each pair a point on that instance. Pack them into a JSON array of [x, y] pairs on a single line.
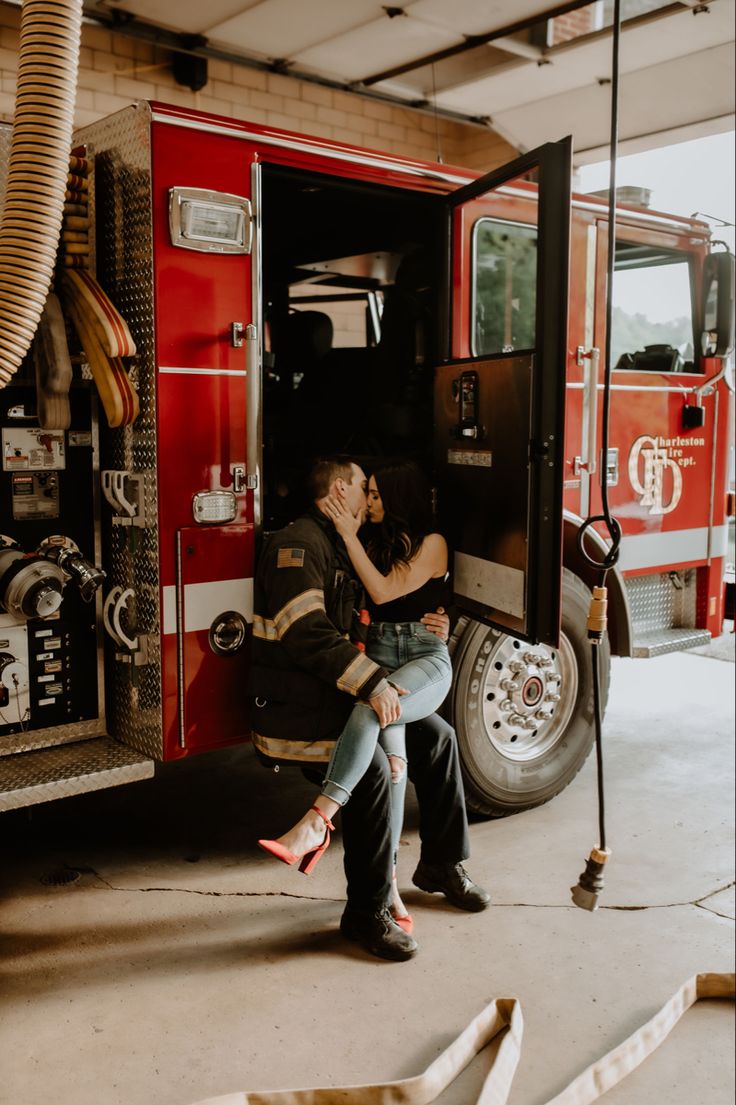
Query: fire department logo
[[648, 464]]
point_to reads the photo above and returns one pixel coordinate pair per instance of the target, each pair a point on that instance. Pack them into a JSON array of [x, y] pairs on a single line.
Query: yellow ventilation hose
[[39, 162]]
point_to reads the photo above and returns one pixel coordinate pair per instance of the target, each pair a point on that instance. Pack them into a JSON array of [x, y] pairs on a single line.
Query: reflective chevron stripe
[[297, 608], [315, 752], [356, 674], [264, 628]]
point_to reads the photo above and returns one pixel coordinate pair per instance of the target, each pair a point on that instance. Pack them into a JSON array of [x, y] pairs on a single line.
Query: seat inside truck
[[350, 283]]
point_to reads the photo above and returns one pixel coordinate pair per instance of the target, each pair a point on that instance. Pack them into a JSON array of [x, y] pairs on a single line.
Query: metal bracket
[[126, 494], [610, 460], [242, 481], [236, 335], [140, 657], [239, 481], [129, 650]]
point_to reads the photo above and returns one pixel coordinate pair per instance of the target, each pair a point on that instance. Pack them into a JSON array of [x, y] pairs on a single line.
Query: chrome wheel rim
[[528, 694]]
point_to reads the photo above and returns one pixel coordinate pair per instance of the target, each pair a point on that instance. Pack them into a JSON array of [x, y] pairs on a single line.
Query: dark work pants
[[434, 769]]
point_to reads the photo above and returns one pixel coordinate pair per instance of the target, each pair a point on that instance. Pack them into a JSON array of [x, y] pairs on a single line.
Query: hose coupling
[[597, 617], [590, 884]]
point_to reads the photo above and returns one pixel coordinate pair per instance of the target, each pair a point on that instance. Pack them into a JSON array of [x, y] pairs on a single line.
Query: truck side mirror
[[717, 305]]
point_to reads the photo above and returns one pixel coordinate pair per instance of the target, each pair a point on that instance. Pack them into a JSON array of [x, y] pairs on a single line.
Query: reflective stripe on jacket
[[306, 673]]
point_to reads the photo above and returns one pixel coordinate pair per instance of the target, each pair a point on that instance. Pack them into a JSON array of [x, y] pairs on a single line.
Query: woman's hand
[[345, 522]]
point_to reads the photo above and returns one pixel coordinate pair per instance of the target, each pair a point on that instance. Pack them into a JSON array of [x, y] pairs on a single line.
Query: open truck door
[[500, 399], [522, 712]]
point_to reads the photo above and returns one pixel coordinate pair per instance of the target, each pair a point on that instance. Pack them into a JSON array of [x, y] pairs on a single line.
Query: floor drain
[[62, 876]]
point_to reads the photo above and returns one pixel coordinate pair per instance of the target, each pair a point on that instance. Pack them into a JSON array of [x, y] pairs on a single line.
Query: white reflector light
[[214, 506]]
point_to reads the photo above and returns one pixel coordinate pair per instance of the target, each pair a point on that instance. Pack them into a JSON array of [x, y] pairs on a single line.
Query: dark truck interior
[[332, 246]]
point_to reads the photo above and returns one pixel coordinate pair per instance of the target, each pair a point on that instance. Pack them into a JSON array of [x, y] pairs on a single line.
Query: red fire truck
[[291, 296]]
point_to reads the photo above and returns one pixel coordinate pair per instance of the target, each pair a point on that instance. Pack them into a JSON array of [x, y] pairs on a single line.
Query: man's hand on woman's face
[[345, 522], [437, 623]]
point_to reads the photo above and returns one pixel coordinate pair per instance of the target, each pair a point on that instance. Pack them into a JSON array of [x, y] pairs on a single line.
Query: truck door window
[[652, 326], [504, 295]]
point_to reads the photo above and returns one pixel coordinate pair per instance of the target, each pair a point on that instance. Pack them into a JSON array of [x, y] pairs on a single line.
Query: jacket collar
[[328, 528]]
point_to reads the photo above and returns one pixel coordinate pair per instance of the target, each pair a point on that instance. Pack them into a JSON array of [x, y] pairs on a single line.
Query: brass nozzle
[[590, 884], [597, 619]]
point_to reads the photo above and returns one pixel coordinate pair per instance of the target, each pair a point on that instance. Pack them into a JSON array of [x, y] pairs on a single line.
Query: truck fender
[[620, 631]]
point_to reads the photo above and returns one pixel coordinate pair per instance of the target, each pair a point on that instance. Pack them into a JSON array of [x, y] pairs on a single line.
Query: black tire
[[508, 766]]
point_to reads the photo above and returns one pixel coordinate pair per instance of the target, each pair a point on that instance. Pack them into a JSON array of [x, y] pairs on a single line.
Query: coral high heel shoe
[[405, 921], [307, 860]]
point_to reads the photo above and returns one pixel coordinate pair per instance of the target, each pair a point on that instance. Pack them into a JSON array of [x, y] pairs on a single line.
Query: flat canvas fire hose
[[53, 368], [503, 1015], [101, 329], [117, 395]]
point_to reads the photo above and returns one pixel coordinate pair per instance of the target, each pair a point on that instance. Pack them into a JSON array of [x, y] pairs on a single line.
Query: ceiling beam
[[471, 41], [198, 46]]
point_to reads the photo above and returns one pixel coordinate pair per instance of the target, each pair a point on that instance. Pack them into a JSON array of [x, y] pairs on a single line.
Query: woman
[[403, 570]]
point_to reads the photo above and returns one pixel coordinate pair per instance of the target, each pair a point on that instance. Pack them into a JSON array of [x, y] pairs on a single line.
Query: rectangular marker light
[[210, 507]]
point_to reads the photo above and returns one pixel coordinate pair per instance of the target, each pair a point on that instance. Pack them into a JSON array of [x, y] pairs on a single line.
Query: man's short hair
[[324, 471]]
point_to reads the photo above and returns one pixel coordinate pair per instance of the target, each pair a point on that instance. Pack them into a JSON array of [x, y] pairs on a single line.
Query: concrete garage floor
[[183, 963]]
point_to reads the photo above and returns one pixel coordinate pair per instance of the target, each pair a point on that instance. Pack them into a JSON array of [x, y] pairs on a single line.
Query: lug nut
[[531, 657], [515, 666], [530, 723], [509, 685], [516, 719], [551, 696], [506, 704], [545, 662], [545, 715]]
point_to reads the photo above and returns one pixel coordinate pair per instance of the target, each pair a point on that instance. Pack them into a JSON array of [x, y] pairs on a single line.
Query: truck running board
[[660, 641], [32, 777]]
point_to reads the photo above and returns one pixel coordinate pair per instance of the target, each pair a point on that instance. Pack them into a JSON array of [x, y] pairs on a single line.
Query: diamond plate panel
[[34, 777], [120, 147], [663, 641], [662, 601], [55, 734]]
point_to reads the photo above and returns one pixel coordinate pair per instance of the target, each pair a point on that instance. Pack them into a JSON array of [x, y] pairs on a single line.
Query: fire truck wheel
[[524, 713]]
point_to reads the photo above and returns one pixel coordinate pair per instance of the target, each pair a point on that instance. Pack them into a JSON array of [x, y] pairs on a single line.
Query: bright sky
[[688, 177]]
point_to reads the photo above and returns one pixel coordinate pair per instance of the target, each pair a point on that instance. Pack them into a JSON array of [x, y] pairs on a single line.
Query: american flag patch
[[290, 558]]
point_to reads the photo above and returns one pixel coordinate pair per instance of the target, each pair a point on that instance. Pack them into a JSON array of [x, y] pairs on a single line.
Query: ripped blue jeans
[[420, 663]]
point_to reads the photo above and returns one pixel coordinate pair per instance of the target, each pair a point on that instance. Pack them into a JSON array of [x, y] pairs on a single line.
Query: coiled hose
[[50, 35]]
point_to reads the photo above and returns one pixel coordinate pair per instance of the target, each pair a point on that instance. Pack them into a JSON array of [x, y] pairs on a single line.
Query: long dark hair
[[407, 518]]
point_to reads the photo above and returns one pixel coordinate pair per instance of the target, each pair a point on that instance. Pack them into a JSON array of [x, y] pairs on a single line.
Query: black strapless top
[[412, 607]]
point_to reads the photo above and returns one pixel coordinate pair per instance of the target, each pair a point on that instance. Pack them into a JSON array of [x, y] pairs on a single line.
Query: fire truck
[[288, 297]]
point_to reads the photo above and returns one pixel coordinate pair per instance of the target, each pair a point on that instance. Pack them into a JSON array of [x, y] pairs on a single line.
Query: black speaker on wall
[[190, 70]]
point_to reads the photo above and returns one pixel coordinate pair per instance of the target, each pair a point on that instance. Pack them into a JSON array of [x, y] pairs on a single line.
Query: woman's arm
[[431, 560]]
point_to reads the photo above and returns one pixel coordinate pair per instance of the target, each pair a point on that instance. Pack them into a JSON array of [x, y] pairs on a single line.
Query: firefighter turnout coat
[[306, 672]]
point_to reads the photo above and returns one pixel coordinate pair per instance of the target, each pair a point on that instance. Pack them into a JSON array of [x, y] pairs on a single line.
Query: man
[[307, 673]]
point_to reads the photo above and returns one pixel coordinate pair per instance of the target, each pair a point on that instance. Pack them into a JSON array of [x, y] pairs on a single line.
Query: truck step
[[659, 641], [28, 778]]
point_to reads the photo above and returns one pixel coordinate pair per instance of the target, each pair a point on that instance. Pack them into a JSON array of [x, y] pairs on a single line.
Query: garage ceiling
[[495, 62]]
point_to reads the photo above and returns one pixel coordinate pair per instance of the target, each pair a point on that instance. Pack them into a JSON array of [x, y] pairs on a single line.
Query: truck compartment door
[[500, 397], [214, 613]]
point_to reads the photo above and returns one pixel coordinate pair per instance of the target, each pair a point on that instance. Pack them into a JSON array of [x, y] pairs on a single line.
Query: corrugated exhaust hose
[[39, 163]]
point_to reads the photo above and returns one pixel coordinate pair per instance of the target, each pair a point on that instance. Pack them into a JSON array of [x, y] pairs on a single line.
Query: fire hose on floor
[[502, 1016]]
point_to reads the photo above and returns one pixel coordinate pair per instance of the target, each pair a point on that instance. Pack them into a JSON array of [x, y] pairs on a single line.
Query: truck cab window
[[504, 267], [652, 328]]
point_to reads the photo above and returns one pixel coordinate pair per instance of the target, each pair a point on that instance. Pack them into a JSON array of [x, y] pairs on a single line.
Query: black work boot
[[378, 933], [452, 880]]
